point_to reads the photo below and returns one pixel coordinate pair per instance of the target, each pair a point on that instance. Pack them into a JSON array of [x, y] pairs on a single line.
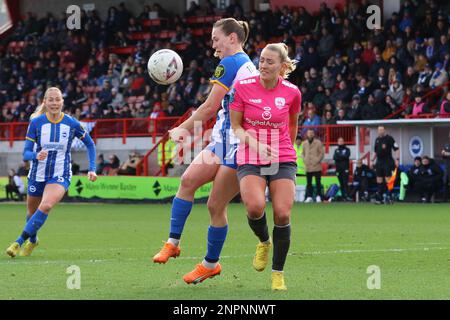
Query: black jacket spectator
[[430, 181], [414, 173], [341, 157]]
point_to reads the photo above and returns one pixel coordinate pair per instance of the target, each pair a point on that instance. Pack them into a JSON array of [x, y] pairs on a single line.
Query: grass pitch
[[332, 247]]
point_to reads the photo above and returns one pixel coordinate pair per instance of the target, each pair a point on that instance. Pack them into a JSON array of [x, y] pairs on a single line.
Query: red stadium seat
[[298, 39], [164, 34], [181, 46], [122, 51], [197, 32], [153, 22], [210, 19], [140, 36], [191, 20]]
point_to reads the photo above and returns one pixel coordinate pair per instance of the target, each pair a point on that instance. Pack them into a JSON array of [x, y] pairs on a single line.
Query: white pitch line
[[18, 260]]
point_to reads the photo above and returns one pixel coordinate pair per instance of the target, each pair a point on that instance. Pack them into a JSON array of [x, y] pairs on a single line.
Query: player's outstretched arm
[[28, 153], [205, 112], [90, 145]]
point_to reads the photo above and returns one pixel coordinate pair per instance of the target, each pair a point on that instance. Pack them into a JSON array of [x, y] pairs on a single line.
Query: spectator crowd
[[345, 71]]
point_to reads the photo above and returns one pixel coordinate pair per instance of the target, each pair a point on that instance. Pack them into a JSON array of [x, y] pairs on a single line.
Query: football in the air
[[165, 66]]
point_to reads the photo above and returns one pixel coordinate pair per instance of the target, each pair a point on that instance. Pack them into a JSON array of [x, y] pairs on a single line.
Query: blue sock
[[33, 239], [32, 226], [216, 239], [180, 212]]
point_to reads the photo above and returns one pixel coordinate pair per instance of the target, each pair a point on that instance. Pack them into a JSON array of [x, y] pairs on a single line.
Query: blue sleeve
[[89, 143], [31, 132], [79, 130], [225, 73], [28, 153], [81, 134]]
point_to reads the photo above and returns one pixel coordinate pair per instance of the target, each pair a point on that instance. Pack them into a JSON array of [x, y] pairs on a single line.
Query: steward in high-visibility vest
[[169, 149], [298, 149]]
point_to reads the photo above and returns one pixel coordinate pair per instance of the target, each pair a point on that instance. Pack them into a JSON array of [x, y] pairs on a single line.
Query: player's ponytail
[[231, 25], [41, 109], [246, 28], [282, 50]]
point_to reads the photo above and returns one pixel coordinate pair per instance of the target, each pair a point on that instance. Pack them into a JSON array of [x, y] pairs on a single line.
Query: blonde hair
[[282, 50], [41, 109]]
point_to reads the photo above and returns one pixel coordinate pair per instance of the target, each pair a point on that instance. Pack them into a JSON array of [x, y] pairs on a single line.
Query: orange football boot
[[201, 273], [168, 251]]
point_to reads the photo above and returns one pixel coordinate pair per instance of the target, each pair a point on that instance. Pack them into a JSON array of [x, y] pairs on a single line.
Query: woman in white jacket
[[396, 92]]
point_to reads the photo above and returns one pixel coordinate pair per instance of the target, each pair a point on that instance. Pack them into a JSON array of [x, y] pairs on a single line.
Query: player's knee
[[254, 209], [282, 219], [188, 182], [282, 209], [215, 206], [46, 206]]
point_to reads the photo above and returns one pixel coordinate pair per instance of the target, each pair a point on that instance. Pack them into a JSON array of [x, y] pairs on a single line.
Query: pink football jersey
[[266, 116]]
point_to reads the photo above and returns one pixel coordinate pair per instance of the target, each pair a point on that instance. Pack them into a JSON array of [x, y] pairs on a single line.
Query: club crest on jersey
[[266, 115], [280, 102]]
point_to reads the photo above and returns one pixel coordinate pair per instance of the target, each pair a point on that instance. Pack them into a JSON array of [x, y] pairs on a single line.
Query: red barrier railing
[[143, 167], [404, 106], [428, 116], [329, 134], [102, 128], [13, 131]]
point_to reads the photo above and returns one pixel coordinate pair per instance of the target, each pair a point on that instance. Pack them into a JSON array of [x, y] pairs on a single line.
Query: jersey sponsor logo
[[280, 102], [255, 100], [53, 146], [220, 71], [274, 125], [266, 115], [247, 81], [415, 146]]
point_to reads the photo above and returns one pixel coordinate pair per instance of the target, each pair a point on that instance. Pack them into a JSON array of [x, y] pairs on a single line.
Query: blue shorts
[[36, 188], [226, 153]]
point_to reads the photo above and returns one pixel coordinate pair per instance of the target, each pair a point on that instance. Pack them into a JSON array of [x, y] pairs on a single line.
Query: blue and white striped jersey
[[55, 137], [230, 69]]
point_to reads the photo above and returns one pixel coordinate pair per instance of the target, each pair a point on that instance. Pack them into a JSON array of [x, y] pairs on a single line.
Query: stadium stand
[[338, 58]]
